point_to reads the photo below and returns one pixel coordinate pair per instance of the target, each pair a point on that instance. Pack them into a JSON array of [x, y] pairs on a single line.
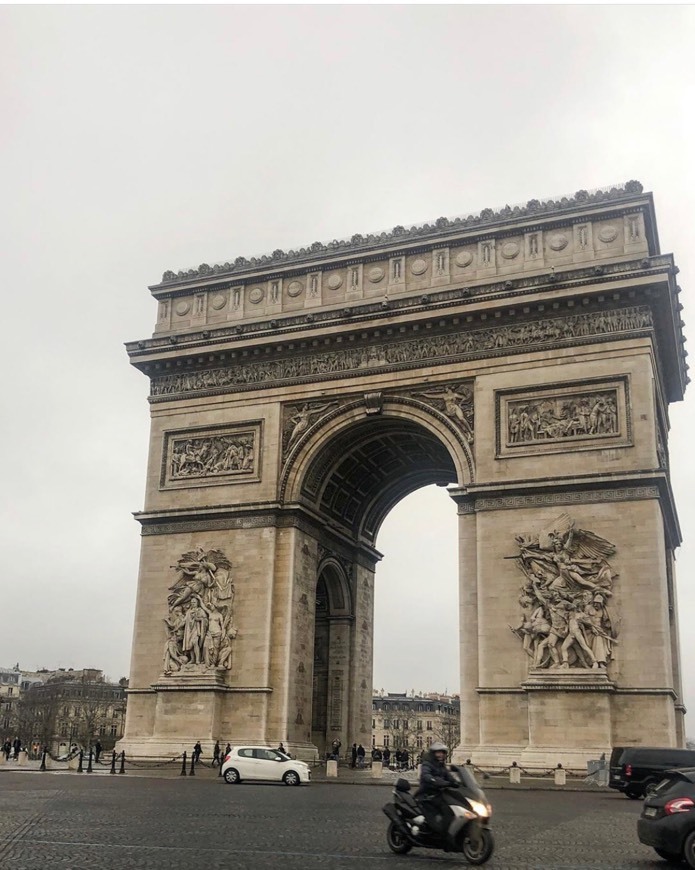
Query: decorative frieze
[[409, 353], [211, 455]]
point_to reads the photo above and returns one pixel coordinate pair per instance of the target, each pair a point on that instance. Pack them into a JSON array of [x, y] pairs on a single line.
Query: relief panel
[[211, 455], [588, 415]]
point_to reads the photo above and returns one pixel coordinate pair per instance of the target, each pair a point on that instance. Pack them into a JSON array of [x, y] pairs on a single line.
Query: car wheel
[[649, 787], [291, 778], [671, 857], [689, 849], [396, 840], [633, 792], [232, 776]]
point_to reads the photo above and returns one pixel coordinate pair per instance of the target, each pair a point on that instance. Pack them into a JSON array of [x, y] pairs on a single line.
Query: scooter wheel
[[480, 850], [397, 842]]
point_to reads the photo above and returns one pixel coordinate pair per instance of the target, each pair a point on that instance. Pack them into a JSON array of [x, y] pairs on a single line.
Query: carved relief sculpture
[[298, 418], [456, 402], [562, 417], [222, 454], [200, 623], [567, 621], [409, 353]]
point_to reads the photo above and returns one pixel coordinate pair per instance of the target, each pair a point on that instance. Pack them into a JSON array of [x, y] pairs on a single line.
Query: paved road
[[52, 821]]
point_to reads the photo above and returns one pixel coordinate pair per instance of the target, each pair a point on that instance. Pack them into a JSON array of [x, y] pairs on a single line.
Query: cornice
[[430, 301], [360, 245]]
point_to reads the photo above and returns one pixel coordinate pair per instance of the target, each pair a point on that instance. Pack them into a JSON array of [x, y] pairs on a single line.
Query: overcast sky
[[139, 139]]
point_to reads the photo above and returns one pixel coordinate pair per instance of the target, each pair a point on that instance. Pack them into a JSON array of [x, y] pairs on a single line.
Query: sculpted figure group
[[567, 619], [221, 454], [200, 628], [563, 418]]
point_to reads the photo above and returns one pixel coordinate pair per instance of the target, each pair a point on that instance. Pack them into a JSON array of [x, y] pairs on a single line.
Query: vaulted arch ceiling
[[364, 471]]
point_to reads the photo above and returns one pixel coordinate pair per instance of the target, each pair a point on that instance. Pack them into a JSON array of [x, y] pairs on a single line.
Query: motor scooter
[[468, 831]]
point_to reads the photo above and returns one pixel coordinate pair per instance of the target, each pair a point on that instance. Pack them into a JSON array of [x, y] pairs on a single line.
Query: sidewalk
[[346, 776]]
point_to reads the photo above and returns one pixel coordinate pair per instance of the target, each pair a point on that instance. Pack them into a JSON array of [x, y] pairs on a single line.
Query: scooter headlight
[[480, 809]]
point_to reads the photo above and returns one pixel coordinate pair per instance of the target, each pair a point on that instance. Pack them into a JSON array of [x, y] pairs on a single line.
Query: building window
[[418, 725], [10, 690], [396, 724], [429, 726], [418, 741], [429, 742], [373, 723], [387, 723], [405, 724], [386, 741], [114, 730]]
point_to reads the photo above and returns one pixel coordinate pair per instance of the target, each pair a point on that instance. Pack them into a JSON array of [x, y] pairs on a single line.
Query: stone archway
[[526, 359]]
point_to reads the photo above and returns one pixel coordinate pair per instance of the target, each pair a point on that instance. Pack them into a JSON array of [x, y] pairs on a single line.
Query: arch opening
[[366, 469], [353, 481]]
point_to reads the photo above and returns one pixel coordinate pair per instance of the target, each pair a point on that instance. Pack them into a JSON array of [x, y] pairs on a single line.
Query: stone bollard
[[377, 769], [74, 762], [23, 759], [3, 759], [331, 768], [514, 774], [560, 775]]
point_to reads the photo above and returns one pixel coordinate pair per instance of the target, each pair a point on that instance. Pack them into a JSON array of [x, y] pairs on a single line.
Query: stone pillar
[[468, 622]]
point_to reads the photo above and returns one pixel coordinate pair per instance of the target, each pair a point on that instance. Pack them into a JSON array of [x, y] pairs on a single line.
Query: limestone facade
[[295, 398]]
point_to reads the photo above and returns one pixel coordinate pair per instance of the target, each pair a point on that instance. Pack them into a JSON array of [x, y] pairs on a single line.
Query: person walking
[[335, 749], [282, 749], [97, 752], [197, 751], [17, 746], [353, 756], [216, 754], [360, 756], [227, 750], [387, 756]]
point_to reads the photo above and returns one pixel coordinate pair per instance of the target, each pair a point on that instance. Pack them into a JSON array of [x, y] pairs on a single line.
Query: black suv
[[633, 769]]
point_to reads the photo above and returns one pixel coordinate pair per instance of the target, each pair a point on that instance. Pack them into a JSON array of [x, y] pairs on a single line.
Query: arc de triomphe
[[526, 359]]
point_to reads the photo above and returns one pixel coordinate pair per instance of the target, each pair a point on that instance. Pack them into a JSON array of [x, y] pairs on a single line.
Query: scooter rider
[[434, 778]]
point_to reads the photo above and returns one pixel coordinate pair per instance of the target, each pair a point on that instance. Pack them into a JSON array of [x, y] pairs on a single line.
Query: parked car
[[633, 769], [667, 823], [259, 762]]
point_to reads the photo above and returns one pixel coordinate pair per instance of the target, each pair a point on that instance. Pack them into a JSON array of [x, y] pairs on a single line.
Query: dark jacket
[[434, 776]]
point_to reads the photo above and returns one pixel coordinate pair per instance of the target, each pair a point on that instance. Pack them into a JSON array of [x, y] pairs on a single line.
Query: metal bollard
[[183, 766], [89, 763], [192, 771], [79, 766], [122, 770], [113, 762], [43, 759], [219, 771]]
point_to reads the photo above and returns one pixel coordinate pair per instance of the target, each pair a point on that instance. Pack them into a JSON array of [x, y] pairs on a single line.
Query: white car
[[259, 762]]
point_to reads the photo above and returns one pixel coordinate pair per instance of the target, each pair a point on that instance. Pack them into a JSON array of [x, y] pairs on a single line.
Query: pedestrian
[[405, 759], [197, 752], [216, 754], [398, 759], [353, 756], [282, 749], [360, 755], [387, 756], [97, 752], [17, 746], [227, 750], [335, 749], [7, 748]]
